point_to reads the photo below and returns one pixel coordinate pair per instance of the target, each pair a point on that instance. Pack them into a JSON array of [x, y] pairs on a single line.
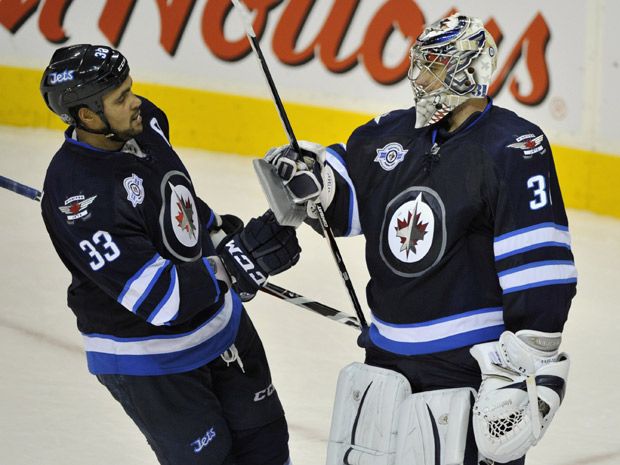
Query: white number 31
[[539, 185], [110, 250]]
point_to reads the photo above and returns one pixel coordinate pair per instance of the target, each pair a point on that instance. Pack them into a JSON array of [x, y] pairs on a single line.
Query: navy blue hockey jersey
[[466, 232], [131, 230]]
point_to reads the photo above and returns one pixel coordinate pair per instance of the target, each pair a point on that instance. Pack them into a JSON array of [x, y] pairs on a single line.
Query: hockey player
[[471, 270], [158, 278]]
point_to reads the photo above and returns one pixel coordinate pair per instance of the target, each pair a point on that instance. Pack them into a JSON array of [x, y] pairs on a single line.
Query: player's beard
[[134, 128]]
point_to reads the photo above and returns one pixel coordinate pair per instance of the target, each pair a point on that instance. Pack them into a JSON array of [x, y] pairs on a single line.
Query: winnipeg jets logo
[[530, 144], [390, 156], [184, 216], [134, 188], [413, 226], [76, 207], [413, 232]]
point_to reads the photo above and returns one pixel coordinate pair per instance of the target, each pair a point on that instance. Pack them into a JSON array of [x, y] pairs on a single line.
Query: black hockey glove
[[263, 248]]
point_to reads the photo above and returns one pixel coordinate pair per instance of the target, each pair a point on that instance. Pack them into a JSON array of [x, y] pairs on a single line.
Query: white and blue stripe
[[537, 274], [337, 163], [530, 238], [140, 284], [165, 354], [168, 307], [438, 335]]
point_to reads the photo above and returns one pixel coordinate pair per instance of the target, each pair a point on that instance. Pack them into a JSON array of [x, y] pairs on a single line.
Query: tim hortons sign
[[404, 17]]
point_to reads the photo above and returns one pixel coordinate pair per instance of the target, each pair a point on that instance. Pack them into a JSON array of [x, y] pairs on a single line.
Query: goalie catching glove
[[305, 175], [263, 248], [523, 384]]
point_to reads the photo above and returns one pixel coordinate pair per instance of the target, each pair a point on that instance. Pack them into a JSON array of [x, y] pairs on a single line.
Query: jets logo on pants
[[413, 234]]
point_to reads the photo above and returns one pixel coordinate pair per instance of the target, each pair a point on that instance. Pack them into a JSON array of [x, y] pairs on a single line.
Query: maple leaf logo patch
[[410, 232], [184, 215]]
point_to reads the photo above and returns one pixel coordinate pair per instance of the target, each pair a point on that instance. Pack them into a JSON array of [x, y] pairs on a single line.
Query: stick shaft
[[316, 307], [327, 231], [20, 188]]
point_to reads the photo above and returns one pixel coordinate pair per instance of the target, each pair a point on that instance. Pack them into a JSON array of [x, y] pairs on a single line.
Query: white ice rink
[[52, 411]]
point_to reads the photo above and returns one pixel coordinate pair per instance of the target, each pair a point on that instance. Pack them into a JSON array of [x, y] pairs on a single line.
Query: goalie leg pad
[[377, 421], [433, 427], [365, 416]]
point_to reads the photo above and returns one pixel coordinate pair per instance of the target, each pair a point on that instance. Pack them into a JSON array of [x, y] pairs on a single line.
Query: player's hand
[[300, 172], [263, 248]]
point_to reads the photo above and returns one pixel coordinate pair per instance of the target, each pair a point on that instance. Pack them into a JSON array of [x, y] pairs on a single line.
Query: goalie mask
[[451, 61]]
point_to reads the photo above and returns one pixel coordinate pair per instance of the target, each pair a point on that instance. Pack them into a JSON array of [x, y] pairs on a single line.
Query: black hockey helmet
[[79, 76]]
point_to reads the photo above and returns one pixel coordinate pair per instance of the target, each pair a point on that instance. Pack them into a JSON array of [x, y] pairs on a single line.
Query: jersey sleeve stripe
[[338, 164], [211, 218], [168, 307], [534, 237], [139, 285], [537, 274]]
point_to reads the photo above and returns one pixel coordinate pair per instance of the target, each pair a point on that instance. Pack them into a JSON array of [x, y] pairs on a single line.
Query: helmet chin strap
[[106, 131]]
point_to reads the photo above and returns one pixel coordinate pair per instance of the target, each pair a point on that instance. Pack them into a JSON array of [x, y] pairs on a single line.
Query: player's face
[[430, 77], [122, 109]]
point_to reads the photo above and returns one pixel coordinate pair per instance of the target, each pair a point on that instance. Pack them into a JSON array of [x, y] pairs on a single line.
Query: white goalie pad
[[365, 416], [433, 427], [377, 421]]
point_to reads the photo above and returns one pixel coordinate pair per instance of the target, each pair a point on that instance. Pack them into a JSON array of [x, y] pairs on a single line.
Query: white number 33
[[109, 253], [539, 185]]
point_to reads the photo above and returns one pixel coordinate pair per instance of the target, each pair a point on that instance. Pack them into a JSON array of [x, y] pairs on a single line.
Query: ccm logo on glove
[[245, 263]]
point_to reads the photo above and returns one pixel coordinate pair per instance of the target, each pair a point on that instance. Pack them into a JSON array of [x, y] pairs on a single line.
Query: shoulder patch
[[390, 155], [76, 207], [529, 144], [134, 188]]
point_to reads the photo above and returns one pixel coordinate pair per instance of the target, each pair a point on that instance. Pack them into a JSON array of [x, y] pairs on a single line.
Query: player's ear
[[89, 118]]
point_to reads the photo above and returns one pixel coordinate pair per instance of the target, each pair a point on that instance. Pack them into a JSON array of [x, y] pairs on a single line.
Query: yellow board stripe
[[249, 126]]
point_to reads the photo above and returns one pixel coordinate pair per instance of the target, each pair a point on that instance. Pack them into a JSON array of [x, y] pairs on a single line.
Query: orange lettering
[[287, 32], [14, 13], [213, 18], [410, 20], [174, 17], [51, 18], [328, 41], [534, 41], [114, 19]]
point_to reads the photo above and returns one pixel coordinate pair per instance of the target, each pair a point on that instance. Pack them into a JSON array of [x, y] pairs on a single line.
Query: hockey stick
[[271, 289], [244, 13], [20, 188], [316, 307]]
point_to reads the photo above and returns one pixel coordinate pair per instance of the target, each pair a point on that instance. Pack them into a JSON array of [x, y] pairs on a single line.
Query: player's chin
[[136, 126]]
